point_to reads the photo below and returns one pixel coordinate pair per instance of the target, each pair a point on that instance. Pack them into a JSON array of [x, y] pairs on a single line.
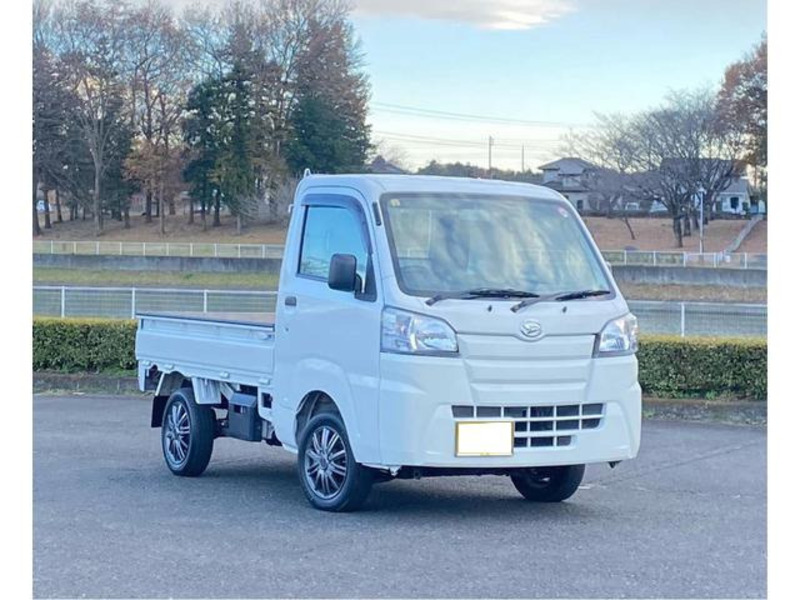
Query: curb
[[84, 383], [731, 412]]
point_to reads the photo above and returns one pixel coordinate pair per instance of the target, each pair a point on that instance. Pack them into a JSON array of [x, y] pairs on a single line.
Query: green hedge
[[83, 345], [668, 366]]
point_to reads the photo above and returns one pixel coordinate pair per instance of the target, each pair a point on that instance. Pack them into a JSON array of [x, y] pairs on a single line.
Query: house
[[383, 166], [569, 177], [735, 199]]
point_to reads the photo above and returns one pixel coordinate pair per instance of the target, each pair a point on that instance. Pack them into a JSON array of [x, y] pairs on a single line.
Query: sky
[[448, 74]]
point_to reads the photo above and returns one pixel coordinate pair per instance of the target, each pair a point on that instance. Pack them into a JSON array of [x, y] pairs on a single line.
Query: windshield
[[443, 243]]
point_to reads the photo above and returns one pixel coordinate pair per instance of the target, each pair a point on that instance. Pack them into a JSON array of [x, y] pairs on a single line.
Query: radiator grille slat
[[536, 426]]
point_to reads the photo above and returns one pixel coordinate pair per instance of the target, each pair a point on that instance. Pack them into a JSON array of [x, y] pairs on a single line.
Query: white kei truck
[[423, 326]]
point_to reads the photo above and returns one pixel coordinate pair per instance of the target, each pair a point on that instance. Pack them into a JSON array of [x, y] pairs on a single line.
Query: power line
[[462, 142], [443, 114]]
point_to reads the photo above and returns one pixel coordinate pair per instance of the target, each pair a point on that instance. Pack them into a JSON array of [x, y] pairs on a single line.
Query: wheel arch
[[312, 404], [167, 385]]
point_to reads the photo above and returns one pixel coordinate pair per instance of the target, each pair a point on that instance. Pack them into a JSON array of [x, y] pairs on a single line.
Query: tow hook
[[614, 463]]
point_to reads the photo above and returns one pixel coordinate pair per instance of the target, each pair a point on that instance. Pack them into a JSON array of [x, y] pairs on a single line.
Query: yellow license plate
[[485, 438]]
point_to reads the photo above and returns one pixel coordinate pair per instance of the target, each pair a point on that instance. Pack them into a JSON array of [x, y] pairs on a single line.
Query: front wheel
[[331, 478], [548, 484], [187, 434]]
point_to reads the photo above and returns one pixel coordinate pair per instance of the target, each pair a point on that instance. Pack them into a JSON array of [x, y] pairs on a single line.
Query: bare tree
[[91, 39], [683, 156], [610, 147], [158, 84]]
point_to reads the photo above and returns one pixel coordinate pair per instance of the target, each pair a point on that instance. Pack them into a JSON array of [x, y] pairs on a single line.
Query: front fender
[[319, 375]]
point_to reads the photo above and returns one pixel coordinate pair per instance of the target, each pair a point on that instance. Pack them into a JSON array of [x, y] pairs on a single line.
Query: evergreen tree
[[202, 135], [330, 133]]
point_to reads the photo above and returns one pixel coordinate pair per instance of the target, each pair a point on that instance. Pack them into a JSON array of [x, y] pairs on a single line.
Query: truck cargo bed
[[225, 347]]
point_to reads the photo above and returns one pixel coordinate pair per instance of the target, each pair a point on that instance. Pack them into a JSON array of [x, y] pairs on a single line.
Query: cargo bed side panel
[[234, 352]]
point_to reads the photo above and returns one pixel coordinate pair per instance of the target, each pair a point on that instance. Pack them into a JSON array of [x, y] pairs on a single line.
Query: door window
[[330, 230]]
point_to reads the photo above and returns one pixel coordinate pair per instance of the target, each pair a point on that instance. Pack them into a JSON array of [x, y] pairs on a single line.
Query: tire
[[331, 478], [548, 484], [187, 446]]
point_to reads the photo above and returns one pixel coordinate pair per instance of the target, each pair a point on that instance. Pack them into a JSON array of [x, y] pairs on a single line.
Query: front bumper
[[417, 424]]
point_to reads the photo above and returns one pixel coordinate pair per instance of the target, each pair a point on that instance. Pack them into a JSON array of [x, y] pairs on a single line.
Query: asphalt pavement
[[685, 519]]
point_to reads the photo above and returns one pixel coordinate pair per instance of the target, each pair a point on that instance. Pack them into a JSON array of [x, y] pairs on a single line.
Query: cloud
[[486, 14]]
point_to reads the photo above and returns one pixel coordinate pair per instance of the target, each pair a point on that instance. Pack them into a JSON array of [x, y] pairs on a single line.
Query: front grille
[[539, 426]]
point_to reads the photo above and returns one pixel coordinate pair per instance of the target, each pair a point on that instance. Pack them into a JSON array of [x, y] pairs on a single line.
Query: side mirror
[[342, 273]]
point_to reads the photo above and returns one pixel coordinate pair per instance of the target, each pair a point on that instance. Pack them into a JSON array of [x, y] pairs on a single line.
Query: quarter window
[[330, 230]]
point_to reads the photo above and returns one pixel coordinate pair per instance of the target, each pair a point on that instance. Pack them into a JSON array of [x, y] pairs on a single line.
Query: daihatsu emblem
[[531, 329]]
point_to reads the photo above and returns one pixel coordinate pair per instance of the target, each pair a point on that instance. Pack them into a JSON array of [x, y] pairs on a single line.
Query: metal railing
[[676, 318], [199, 249], [124, 303], [736, 260], [701, 318]]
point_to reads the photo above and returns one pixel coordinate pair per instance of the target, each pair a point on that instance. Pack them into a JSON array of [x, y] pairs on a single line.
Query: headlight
[[619, 337], [409, 333]]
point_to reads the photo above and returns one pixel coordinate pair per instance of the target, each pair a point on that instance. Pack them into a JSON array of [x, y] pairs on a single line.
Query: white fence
[[736, 260], [701, 318], [199, 249], [677, 318], [124, 303]]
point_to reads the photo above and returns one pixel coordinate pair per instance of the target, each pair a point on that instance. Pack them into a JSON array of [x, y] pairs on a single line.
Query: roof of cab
[[371, 184]]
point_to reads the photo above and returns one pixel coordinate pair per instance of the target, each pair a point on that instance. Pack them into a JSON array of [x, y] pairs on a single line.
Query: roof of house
[[568, 166], [739, 185], [559, 187], [381, 165], [708, 163]]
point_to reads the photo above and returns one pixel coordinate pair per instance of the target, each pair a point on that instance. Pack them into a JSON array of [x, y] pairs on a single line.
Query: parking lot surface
[[685, 519]]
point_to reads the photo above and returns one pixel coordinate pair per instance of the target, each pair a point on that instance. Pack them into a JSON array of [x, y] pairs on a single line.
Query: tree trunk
[[126, 217], [678, 231], [162, 215], [216, 222], [628, 225], [98, 213], [203, 215], [687, 225], [238, 224], [59, 219], [47, 224], [37, 230], [191, 210], [148, 206], [172, 206]]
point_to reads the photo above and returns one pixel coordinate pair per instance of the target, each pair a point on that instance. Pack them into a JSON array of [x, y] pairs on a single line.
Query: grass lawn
[[263, 281], [696, 293], [239, 281], [610, 234]]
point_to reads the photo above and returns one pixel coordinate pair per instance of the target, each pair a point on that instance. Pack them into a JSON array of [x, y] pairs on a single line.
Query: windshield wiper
[[559, 297], [481, 293]]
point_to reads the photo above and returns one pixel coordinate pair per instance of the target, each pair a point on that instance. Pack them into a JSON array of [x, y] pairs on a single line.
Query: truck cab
[[423, 326]]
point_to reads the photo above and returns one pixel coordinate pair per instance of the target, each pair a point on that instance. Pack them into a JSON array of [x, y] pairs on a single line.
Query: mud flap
[[157, 414]]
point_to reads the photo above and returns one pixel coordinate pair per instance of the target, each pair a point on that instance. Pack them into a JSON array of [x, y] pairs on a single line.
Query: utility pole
[[523, 158], [491, 141]]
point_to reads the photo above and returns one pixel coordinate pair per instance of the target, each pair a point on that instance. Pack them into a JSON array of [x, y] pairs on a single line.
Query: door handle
[[290, 301]]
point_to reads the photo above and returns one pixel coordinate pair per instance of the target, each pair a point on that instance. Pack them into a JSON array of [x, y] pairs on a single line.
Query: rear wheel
[[548, 484], [331, 478], [187, 434]]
